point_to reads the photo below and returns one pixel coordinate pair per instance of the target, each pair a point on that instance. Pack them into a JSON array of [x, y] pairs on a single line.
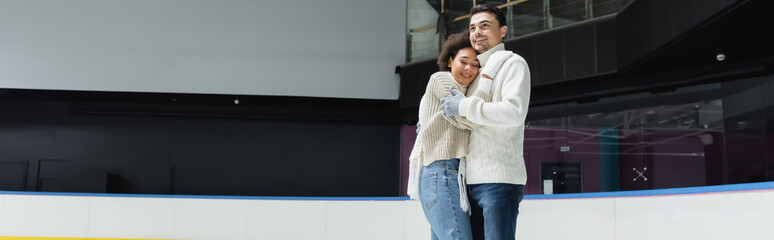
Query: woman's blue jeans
[[439, 194]]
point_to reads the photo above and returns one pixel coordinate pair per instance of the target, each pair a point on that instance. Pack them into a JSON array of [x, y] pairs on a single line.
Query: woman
[[437, 160]]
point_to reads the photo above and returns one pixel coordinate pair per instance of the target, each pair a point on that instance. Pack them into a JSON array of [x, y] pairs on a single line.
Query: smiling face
[[485, 31], [464, 66]]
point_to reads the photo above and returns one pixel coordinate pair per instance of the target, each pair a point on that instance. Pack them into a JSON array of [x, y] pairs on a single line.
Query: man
[[496, 173]]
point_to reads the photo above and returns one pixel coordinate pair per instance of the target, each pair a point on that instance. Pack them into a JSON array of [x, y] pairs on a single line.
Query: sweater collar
[[483, 57]]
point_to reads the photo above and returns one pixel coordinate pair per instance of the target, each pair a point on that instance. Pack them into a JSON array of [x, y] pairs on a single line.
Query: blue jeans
[[494, 208], [440, 198]]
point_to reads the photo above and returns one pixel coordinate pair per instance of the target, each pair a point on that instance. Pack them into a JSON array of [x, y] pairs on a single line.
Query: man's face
[[485, 31]]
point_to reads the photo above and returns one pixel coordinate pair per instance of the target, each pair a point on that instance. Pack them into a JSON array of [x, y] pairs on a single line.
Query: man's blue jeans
[[440, 198], [494, 208]]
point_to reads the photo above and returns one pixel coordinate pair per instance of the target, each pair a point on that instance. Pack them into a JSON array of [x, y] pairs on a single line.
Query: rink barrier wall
[[712, 212]]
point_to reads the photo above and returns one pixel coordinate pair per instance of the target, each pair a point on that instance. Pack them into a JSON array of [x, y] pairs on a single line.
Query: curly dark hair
[[451, 47], [487, 7]]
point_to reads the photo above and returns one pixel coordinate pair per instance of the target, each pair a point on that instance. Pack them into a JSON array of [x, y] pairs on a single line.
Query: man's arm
[[464, 123], [451, 104], [511, 111], [442, 85], [489, 71]]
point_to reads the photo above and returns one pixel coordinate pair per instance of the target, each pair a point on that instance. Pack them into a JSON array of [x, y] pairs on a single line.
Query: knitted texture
[[497, 147], [440, 137]]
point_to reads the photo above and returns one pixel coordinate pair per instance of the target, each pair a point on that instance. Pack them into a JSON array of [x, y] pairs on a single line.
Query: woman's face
[[464, 66]]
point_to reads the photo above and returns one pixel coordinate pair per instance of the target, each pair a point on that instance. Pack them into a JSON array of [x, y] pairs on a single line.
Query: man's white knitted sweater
[[496, 149]]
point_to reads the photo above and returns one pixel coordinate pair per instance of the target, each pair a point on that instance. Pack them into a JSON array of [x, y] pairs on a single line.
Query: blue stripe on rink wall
[[661, 192], [638, 193]]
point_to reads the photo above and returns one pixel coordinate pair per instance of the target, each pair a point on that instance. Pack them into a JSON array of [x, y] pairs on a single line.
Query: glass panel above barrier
[[429, 22], [628, 144], [701, 135]]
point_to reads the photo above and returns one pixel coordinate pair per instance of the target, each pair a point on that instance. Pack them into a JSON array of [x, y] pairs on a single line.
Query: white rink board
[[733, 214]]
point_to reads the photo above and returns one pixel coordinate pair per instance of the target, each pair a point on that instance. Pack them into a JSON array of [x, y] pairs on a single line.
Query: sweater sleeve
[[495, 62], [464, 123], [440, 85], [511, 110]]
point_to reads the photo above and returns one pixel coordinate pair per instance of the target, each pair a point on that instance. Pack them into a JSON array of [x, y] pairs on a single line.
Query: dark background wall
[[84, 145]]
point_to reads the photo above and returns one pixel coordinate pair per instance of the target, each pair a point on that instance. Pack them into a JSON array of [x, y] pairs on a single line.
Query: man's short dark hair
[[451, 47], [488, 7]]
